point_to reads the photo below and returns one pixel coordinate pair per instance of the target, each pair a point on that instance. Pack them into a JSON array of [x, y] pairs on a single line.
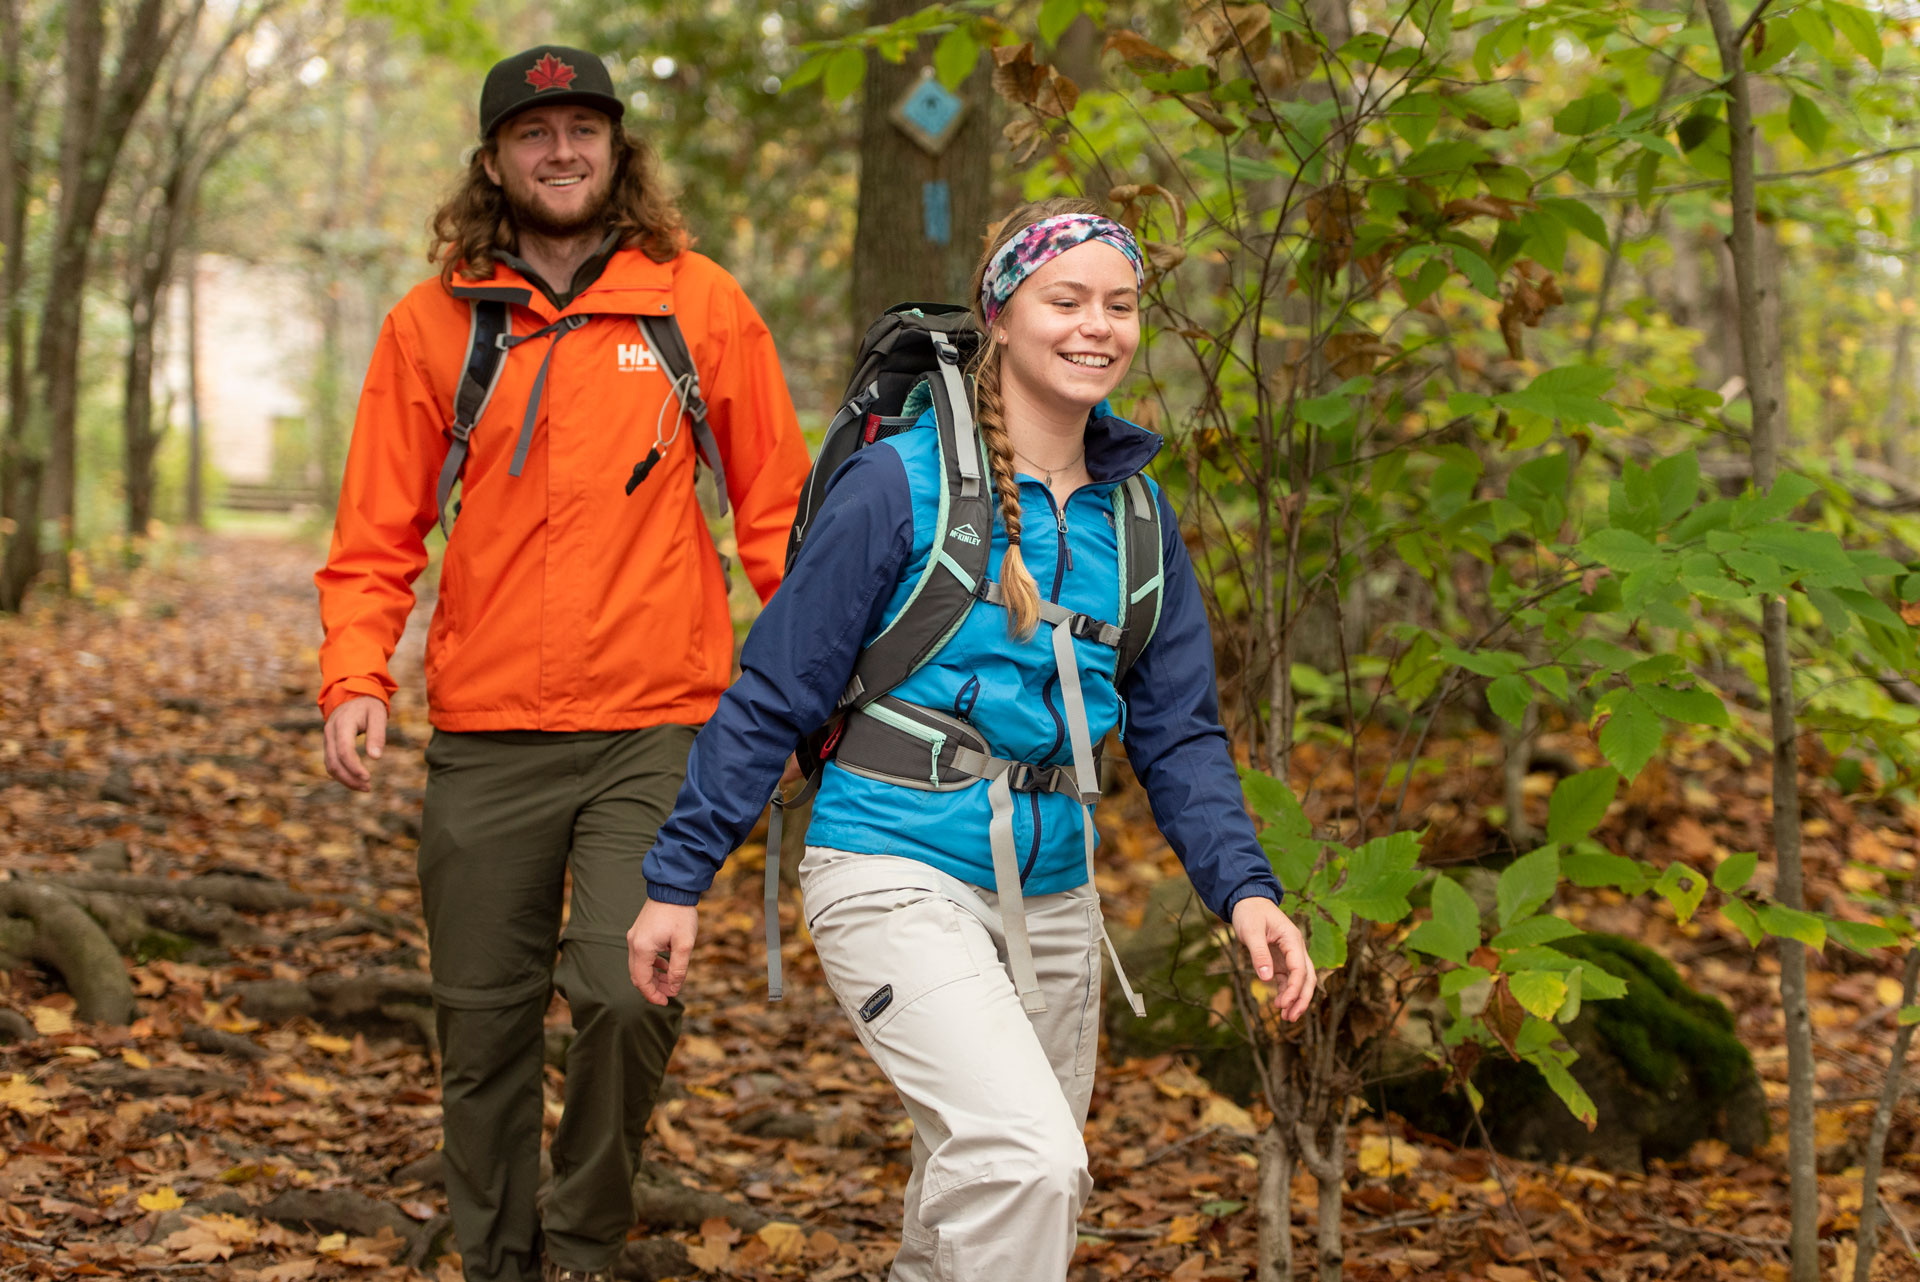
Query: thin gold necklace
[[1049, 471]]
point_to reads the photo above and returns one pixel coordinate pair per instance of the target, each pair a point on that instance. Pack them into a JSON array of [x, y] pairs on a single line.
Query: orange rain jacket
[[564, 603]]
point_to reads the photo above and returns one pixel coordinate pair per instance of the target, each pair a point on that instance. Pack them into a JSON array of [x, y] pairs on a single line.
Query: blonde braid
[[1022, 593]]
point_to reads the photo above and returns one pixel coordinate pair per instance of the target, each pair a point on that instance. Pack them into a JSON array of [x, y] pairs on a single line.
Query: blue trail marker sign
[[929, 113]]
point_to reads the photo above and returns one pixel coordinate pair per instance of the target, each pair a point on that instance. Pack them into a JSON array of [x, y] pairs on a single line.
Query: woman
[[978, 994]]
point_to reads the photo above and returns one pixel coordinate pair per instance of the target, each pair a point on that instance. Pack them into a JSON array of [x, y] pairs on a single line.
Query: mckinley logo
[[636, 359], [965, 533]]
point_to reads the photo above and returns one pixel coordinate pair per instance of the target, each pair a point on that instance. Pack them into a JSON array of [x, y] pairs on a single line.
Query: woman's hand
[[1259, 924], [667, 929]]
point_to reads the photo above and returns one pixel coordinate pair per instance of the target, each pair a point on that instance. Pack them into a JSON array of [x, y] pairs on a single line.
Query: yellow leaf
[[1228, 1116], [161, 1199], [80, 1052], [47, 1021], [331, 1242], [310, 1087], [24, 1098], [135, 1059], [330, 1044], [1384, 1157], [1888, 990], [1184, 1229], [785, 1240]]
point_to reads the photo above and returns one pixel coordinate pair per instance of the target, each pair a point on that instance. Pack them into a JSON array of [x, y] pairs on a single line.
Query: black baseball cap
[[544, 75]]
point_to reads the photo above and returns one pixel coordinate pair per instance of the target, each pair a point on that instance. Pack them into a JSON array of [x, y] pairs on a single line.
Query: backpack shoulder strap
[[479, 375], [663, 335], [956, 571], [1137, 526]]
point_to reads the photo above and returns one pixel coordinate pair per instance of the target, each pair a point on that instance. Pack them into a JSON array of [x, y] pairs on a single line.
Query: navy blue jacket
[[854, 573]]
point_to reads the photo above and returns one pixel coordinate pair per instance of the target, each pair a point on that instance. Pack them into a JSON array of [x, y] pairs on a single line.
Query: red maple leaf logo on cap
[[550, 73]]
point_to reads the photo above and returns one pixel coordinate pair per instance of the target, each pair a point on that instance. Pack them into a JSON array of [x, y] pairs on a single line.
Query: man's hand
[[1259, 924], [661, 928], [361, 715]]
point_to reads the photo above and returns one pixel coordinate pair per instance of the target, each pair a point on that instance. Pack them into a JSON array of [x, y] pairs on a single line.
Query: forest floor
[[271, 1112]]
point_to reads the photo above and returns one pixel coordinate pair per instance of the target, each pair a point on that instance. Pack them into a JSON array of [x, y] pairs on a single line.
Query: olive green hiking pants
[[507, 815]]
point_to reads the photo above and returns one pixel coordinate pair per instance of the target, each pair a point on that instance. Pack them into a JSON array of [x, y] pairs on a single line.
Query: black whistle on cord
[[641, 469]]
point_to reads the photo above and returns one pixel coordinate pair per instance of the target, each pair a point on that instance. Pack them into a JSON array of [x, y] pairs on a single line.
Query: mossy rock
[[1176, 968], [1663, 1064]]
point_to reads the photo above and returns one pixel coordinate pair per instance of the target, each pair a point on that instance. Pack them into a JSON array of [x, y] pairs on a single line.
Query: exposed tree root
[[662, 1202], [248, 894], [66, 938]]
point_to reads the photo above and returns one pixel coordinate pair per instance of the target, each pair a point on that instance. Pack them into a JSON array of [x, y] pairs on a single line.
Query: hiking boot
[[554, 1273]]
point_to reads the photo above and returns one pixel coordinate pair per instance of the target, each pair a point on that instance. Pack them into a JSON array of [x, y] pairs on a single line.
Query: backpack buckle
[[945, 350]]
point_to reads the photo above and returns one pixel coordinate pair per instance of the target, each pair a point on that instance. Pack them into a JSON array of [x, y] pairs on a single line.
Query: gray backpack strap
[[669, 345], [1143, 575], [479, 374], [963, 541]]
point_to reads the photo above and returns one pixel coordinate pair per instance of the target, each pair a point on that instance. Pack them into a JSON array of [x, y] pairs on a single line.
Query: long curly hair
[[989, 412], [474, 223]]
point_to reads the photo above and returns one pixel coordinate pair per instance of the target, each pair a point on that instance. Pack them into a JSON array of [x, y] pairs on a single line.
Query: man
[[581, 633]]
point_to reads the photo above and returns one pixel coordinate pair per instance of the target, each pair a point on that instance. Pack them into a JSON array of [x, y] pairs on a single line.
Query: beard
[[529, 214]]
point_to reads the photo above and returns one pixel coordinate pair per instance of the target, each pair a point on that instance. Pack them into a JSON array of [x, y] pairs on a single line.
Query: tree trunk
[[1274, 1257], [1896, 429], [903, 250], [1751, 284], [20, 455], [196, 461], [142, 442], [1868, 1237], [94, 128]]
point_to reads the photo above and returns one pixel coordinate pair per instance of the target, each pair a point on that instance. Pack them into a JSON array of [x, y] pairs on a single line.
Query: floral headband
[[1047, 239]]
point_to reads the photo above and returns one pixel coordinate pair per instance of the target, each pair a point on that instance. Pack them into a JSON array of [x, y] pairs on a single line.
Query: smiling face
[[1069, 332], [555, 165]]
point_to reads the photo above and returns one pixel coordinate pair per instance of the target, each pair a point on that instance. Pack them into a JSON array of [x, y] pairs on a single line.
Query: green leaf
[[1908, 1015], [1534, 931], [1812, 550], [1526, 884], [1326, 943], [1493, 104], [1631, 736], [1598, 868], [1540, 993], [807, 72], [1694, 707], [1735, 871], [1450, 155], [1862, 937], [1741, 914], [1570, 393], [1477, 270], [1455, 982], [1510, 697], [844, 72], [1676, 479], [1380, 874], [1683, 887], [1791, 923], [955, 57], [1288, 834], [1221, 1209], [1587, 115], [1599, 984], [1808, 122], [1578, 1102], [1578, 215], [1454, 930], [1055, 17], [1869, 606], [1861, 29], [1618, 550], [1326, 411], [1579, 803]]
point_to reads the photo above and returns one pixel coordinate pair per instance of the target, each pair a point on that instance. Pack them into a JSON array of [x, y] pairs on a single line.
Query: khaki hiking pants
[[998, 1097], [507, 816]]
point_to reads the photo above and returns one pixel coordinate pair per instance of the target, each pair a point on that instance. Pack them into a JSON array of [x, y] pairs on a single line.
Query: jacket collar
[[1116, 448], [628, 283]]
